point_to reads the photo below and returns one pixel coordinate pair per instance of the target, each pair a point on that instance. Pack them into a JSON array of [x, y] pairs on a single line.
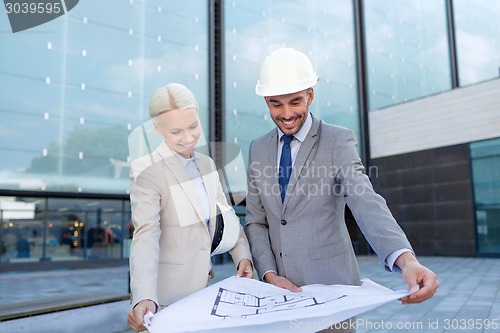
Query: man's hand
[[245, 269], [136, 315], [281, 282], [415, 275]]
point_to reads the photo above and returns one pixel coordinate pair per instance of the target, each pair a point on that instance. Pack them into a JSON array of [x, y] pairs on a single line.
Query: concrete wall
[[454, 117]]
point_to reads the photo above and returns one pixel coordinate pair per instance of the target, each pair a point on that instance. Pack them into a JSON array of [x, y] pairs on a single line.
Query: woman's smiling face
[[181, 130]]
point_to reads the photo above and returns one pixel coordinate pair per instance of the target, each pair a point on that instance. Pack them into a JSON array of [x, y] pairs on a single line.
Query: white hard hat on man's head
[[285, 71]]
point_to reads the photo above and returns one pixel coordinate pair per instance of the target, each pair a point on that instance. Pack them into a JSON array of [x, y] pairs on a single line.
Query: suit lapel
[[173, 163], [207, 173]]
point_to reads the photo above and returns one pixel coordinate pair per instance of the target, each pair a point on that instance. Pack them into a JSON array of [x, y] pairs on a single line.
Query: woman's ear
[[157, 127]]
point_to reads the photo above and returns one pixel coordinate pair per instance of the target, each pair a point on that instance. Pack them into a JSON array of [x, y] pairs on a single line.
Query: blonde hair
[[173, 96]]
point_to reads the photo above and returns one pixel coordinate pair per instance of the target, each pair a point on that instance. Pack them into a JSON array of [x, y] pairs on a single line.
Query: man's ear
[[310, 96]]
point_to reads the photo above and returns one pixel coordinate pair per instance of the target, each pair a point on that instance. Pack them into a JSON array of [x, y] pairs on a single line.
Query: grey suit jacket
[[305, 239], [170, 251]]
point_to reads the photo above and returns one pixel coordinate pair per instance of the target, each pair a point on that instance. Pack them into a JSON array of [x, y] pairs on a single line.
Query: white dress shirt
[[194, 174]]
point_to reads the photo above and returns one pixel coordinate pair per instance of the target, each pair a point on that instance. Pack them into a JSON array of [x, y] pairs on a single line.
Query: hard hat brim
[[227, 223], [263, 90]]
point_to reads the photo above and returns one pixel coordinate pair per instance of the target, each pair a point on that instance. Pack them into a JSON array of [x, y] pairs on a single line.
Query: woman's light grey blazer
[[170, 251]]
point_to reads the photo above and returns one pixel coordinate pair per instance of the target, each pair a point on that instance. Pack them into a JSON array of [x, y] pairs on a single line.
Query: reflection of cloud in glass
[[98, 109], [324, 35], [321, 29], [407, 51], [7, 132], [478, 44], [477, 63], [156, 69], [81, 80]]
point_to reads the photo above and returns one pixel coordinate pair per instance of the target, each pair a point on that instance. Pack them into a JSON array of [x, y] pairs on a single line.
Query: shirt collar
[[302, 133], [184, 161]]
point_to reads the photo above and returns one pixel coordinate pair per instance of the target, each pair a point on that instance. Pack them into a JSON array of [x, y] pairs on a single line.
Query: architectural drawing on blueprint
[[233, 304], [248, 305]]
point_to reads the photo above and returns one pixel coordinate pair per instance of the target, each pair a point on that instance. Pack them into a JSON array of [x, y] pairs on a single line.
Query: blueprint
[[234, 304], [248, 305]]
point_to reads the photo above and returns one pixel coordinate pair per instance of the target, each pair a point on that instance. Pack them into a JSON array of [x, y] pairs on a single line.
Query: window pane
[[485, 159], [37, 229], [478, 42], [73, 89], [407, 50], [324, 30]]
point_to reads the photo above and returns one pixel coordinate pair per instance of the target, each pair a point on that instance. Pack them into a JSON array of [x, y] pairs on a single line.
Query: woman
[[173, 194]]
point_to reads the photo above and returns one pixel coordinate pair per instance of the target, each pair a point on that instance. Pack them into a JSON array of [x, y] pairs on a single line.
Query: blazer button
[[283, 222]]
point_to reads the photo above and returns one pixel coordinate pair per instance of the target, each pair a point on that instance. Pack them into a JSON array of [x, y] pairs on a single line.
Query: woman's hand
[[245, 269], [136, 315]]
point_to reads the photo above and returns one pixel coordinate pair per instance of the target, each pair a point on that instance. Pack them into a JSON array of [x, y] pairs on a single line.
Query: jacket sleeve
[[368, 207], [145, 196]]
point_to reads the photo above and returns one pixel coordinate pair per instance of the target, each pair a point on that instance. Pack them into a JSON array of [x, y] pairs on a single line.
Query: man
[[296, 226]]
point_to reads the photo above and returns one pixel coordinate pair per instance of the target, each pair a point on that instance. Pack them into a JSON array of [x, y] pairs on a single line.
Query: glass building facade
[[75, 87], [73, 90], [477, 43], [324, 30], [406, 50], [485, 158]]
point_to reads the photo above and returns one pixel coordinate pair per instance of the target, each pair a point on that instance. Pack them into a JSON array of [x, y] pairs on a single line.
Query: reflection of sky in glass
[[407, 50], [485, 157], [477, 24], [323, 30], [72, 89]]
